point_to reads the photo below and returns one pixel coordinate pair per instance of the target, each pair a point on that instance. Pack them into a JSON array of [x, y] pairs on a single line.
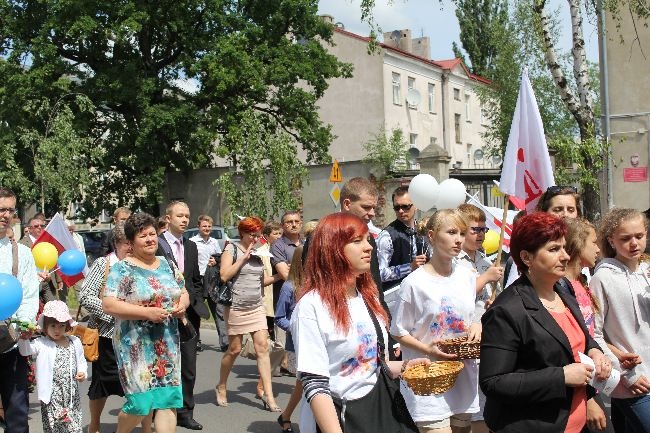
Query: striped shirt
[[90, 300]]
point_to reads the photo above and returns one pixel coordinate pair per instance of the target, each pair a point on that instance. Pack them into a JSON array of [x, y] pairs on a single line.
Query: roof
[[442, 64]]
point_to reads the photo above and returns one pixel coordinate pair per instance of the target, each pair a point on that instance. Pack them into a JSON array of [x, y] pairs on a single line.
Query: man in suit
[[51, 283], [186, 257]]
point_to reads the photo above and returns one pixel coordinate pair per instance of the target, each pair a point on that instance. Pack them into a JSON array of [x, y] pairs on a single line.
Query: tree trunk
[[580, 107]]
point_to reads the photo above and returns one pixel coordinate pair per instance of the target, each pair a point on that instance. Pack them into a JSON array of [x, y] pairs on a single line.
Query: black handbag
[[223, 291], [383, 409]]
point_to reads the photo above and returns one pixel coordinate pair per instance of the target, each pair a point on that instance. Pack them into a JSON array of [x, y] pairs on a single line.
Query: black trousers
[[188, 368], [13, 391]]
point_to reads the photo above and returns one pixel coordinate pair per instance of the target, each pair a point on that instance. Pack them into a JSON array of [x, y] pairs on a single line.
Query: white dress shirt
[[206, 249]]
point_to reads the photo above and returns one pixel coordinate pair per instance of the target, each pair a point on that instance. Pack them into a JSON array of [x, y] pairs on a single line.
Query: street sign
[[335, 175], [335, 194]]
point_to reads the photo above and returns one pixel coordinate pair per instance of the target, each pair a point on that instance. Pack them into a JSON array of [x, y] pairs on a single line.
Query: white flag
[[527, 168]]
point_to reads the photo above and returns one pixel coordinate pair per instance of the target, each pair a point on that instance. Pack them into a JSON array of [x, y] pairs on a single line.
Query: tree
[[169, 79], [273, 177], [478, 20], [387, 152], [577, 97], [62, 158]]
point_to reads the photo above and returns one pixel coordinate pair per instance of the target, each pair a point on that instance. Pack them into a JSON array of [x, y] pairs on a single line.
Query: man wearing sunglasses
[[51, 283], [399, 248]]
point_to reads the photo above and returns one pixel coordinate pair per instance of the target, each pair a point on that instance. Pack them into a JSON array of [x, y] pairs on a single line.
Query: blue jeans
[[637, 413]]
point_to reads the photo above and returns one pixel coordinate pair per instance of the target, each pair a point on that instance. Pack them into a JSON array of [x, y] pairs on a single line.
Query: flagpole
[[506, 199], [503, 229]]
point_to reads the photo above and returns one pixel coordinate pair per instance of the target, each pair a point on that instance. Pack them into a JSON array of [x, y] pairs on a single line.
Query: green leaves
[[388, 152], [244, 57], [266, 175]]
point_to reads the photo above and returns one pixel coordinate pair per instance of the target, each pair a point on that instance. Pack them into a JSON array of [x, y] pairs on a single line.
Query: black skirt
[[105, 379]]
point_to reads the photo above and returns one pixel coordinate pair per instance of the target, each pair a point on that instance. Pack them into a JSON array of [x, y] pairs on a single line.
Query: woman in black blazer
[[528, 368]]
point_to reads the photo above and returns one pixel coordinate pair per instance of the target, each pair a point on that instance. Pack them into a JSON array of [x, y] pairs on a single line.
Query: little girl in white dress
[[60, 365]]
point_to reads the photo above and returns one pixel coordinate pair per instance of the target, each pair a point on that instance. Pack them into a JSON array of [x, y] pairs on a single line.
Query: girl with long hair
[[620, 285], [582, 248], [438, 301], [332, 324]]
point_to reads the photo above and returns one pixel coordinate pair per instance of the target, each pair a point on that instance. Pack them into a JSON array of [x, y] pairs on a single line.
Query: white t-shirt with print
[[480, 264], [433, 308], [348, 359]]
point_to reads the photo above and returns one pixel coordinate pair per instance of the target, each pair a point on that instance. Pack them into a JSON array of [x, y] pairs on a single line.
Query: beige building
[[433, 102], [628, 93]]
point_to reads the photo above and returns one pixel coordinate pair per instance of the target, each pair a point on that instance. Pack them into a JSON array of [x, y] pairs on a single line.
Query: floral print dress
[[147, 353], [63, 413]]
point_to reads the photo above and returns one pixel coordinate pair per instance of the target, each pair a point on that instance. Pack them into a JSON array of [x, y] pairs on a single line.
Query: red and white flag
[[526, 172], [57, 234], [493, 221]]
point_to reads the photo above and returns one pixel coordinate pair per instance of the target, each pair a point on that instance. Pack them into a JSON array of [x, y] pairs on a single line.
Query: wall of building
[[629, 93], [197, 189], [355, 106]]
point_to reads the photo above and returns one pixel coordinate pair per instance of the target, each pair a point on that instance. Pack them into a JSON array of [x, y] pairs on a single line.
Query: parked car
[[221, 234], [93, 240]]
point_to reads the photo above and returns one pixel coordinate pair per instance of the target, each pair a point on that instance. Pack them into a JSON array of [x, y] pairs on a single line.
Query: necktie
[[180, 255]]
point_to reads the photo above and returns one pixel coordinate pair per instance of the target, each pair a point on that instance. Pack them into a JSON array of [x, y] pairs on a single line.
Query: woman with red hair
[[245, 269], [533, 334], [334, 325]]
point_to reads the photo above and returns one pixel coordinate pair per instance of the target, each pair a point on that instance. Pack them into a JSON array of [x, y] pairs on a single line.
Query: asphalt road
[[244, 413]]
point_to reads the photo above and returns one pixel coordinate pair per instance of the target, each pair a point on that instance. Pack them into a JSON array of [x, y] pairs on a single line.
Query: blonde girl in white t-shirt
[[438, 301], [333, 333]]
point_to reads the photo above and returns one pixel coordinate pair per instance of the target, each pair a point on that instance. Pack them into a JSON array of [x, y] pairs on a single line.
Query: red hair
[[250, 225], [533, 231], [328, 271]]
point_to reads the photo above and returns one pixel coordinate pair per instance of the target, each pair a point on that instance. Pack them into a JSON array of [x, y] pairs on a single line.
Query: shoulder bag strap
[[14, 257], [380, 335]]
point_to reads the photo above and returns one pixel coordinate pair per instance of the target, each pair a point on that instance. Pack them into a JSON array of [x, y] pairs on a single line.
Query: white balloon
[[452, 194], [424, 190]]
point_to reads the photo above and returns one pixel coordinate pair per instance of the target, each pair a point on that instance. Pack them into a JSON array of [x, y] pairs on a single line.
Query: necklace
[[553, 305]]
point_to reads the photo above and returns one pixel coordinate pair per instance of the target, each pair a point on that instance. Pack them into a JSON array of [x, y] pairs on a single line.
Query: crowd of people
[[352, 314]]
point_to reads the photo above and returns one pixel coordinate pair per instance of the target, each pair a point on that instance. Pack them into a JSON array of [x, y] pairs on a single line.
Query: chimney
[[327, 18]]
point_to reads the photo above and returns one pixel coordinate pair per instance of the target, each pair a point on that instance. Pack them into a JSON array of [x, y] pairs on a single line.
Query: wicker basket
[[436, 378], [459, 346]]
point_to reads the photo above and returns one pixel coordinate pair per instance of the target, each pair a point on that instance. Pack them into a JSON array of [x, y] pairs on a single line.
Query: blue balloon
[[71, 262], [11, 295]]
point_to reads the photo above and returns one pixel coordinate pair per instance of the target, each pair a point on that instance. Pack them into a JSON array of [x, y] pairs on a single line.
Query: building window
[[432, 98], [411, 83], [413, 140], [457, 94], [457, 128], [397, 91], [468, 109], [484, 116]]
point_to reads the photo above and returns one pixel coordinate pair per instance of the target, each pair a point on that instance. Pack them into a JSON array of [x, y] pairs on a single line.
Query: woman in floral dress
[[147, 298]]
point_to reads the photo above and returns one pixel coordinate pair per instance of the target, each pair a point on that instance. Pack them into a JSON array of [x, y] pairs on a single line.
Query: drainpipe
[[604, 91], [445, 104]]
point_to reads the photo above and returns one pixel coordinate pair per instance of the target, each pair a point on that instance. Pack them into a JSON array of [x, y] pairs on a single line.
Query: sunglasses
[[564, 189], [38, 226], [477, 230], [404, 207]]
